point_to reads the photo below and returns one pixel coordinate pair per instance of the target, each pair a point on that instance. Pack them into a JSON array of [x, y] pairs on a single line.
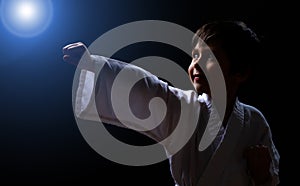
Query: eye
[[195, 55], [208, 56]]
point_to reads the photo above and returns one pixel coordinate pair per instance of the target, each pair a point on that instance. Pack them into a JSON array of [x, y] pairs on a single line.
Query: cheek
[[210, 66]]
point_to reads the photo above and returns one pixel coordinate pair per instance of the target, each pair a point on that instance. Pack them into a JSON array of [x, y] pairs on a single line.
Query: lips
[[196, 76]]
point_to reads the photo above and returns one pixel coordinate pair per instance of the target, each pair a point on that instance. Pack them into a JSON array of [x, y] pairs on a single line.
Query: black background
[[39, 139]]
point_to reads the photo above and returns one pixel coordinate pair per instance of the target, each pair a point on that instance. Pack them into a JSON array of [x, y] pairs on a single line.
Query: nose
[[196, 66]]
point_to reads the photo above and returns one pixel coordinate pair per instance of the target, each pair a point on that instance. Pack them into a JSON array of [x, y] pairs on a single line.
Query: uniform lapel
[[217, 163]]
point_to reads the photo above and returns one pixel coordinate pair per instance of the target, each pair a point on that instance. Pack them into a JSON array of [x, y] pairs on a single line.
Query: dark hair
[[239, 42]]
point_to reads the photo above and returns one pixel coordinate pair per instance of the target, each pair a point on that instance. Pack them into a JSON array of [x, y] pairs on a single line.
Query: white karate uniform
[[221, 164]]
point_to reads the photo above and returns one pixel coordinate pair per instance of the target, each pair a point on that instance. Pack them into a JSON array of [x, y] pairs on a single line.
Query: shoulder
[[253, 116], [253, 111], [256, 127]]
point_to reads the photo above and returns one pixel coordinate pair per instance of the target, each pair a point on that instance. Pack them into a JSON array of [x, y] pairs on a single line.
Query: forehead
[[213, 47], [210, 46]]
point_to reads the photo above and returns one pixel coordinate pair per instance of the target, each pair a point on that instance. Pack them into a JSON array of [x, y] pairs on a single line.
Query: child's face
[[206, 56]]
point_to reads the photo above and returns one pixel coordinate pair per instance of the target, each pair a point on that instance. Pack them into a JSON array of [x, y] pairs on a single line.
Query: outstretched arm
[[119, 93]]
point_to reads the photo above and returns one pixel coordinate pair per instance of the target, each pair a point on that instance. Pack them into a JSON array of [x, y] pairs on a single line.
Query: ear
[[241, 77]]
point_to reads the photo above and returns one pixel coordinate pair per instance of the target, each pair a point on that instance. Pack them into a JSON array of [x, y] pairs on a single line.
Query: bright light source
[[26, 11], [26, 18]]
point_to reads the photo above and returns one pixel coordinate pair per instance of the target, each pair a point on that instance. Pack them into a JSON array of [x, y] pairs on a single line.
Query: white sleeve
[[156, 107], [84, 107]]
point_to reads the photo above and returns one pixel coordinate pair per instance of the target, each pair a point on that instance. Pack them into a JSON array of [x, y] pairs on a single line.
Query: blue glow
[[26, 18]]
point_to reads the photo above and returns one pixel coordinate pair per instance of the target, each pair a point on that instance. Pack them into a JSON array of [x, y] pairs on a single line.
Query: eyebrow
[[194, 50], [204, 49]]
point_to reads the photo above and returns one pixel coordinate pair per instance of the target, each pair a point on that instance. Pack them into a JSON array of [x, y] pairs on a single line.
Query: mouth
[[196, 77], [199, 81]]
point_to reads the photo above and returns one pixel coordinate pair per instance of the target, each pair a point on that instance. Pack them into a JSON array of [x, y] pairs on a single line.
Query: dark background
[[39, 139]]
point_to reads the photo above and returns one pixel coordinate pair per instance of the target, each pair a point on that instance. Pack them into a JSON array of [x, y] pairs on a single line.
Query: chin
[[201, 89]]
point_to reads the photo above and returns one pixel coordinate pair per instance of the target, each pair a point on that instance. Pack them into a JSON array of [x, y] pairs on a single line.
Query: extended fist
[[74, 52]]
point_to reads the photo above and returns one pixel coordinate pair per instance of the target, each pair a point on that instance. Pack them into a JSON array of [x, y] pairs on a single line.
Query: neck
[[230, 103]]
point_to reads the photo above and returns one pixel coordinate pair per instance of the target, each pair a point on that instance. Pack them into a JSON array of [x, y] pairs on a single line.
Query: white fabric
[[220, 164]]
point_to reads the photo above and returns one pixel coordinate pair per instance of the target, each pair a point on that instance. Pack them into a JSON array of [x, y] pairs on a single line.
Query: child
[[242, 151]]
